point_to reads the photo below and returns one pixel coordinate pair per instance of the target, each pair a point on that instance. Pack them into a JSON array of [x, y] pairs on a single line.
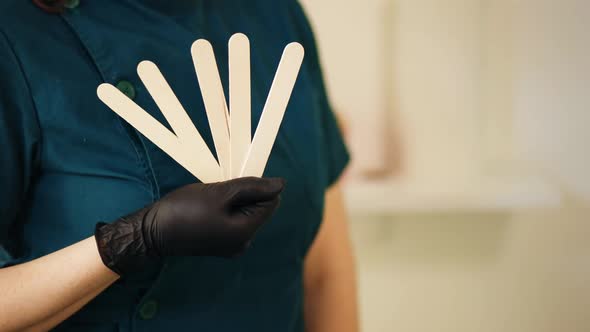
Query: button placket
[[148, 310], [127, 88]]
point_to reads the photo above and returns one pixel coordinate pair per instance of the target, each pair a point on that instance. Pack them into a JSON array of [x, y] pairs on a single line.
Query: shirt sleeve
[[19, 148], [333, 148]]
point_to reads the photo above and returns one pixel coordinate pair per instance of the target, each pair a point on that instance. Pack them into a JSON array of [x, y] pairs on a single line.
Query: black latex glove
[[218, 219]]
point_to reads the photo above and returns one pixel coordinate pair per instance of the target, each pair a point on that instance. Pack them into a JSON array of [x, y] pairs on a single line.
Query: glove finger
[[258, 213], [251, 190], [250, 219]]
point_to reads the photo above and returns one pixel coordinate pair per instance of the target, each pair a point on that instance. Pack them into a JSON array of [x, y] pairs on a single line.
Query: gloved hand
[[218, 219]]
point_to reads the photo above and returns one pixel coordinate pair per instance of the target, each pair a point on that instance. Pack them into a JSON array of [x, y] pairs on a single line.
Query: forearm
[[331, 302], [330, 273], [218, 219], [43, 292], [59, 317]]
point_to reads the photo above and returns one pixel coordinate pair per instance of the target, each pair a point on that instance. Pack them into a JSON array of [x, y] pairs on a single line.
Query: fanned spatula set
[[238, 154]]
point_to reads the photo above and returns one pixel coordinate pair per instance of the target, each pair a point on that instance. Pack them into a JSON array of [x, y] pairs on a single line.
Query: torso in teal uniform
[[68, 162]]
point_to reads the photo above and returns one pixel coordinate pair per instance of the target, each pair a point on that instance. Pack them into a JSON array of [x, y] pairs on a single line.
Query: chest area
[[81, 133], [116, 51]]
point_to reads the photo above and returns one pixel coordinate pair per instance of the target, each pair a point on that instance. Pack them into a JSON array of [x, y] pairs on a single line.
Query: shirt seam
[[23, 73], [148, 169]]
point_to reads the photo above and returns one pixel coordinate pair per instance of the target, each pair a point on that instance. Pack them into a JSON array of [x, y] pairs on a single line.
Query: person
[[102, 231]]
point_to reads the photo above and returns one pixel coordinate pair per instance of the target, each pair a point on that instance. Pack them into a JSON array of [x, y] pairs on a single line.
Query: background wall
[[354, 49], [524, 272], [478, 86]]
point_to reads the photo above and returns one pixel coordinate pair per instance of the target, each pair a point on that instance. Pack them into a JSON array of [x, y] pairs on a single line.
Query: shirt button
[[127, 88], [148, 310], [72, 4]]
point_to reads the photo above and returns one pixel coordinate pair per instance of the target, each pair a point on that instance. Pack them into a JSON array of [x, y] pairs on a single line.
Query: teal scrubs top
[[68, 162]]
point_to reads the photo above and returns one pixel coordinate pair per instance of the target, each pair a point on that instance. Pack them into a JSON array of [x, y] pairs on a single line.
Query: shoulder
[[19, 14], [15, 24], [32, 36], [21, 20], [8, 8]]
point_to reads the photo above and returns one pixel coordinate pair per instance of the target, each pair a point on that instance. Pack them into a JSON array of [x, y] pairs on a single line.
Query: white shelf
[[499, 194]]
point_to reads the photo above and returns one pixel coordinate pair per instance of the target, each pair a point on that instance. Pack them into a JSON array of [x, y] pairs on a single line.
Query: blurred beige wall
[[518, 272], [511, 92], [354, 47]]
